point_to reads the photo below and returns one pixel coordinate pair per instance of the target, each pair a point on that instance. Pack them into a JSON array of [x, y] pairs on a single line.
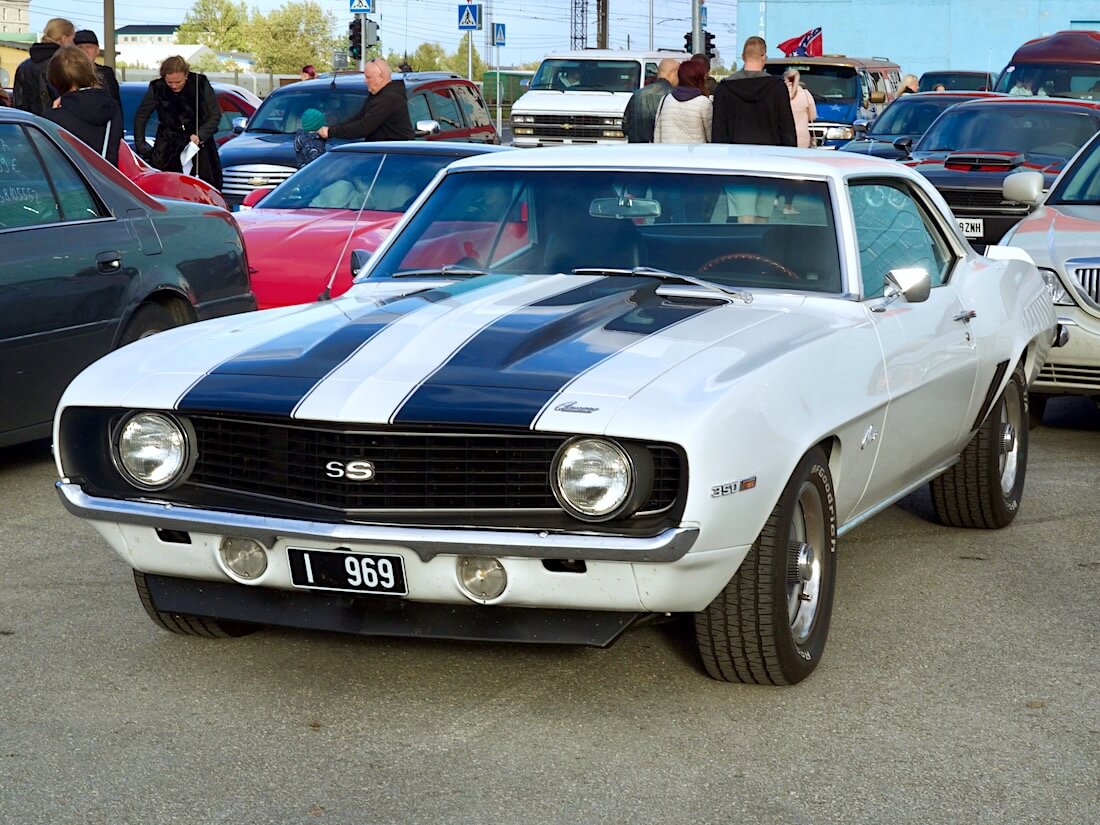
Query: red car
[[166, 184], [300, 236]]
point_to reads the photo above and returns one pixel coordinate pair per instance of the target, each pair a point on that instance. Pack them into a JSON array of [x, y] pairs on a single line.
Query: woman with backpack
[[84, 108], [32, 92], [188, 114]]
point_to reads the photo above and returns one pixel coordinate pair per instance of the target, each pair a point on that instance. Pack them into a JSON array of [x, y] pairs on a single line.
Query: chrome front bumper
[[426, 542]]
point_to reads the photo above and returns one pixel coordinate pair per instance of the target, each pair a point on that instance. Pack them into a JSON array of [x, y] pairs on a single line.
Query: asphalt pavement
[[959, 685]]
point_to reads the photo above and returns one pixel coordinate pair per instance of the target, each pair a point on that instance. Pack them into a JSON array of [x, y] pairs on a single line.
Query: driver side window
[[894, 232]]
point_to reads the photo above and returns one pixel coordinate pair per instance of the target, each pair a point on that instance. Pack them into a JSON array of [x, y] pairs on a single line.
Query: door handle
[[966, 315], [108, 263]]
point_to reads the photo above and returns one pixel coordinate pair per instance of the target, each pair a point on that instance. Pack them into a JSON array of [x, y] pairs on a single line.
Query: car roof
[[1000, 100], [707, 157], [418, 147], [835, 60], [11, 113], [612, 54]]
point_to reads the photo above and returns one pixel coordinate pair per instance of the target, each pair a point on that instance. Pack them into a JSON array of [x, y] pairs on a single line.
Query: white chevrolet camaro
[[1063, 238], [573, 388]]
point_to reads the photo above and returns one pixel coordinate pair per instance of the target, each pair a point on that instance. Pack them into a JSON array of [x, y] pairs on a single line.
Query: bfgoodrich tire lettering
[[769, 624], [186, 625], [985, 487]]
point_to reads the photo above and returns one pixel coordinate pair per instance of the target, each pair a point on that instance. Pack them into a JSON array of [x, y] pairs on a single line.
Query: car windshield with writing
[[729, 230], [587, 76]]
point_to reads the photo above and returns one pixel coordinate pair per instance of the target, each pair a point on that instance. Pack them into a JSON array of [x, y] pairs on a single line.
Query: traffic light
[[708, 45], [687, 43], [355, 38], [371, 38]]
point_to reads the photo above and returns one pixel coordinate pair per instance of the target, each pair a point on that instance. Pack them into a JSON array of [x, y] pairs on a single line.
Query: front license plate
[[348, 572], [972, 227]]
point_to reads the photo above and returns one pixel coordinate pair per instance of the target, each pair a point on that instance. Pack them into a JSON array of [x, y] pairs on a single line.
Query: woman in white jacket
[[686, 113]]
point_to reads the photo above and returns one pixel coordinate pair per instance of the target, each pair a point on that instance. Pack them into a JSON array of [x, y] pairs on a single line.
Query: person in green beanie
[[308, 145]]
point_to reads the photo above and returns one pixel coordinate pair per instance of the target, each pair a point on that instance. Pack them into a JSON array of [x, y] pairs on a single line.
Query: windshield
[[282, 113], [587, 75], [357, 180], [955, 81], [1081, 182], [1031, 129], [909, 116], [828, 84], [1078, 80], [711, 227]]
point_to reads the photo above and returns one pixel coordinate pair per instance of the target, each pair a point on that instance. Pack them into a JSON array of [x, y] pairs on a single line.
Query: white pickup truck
[[580, 96]]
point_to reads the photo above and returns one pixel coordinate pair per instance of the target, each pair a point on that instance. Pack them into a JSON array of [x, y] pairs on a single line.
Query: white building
[[15, 16]]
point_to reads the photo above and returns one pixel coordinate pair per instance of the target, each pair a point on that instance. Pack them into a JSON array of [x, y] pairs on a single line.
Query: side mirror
[[860, 127], [424, 128], [904, 144], [239, 124], [1023, 187], [255, 196], [878, 97], [913, 283], [359, 258]]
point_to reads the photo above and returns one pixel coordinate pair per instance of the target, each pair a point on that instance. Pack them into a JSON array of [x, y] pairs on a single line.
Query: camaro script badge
[[573, 406], [351, 470]]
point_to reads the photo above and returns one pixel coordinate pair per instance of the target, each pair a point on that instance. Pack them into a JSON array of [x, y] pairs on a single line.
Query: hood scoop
[[984, 161]]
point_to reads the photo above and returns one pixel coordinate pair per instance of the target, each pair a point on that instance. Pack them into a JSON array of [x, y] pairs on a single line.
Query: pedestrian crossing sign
[[498, 34], [361, 6], [469, 17]]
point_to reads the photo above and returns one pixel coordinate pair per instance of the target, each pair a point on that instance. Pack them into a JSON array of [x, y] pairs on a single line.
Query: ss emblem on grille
[[351, 470]]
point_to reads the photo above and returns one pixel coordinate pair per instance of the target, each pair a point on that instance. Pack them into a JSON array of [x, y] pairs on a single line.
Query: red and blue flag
[[806, 45]]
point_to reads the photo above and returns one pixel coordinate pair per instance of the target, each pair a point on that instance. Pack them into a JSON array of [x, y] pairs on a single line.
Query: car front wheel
[[186, 625], [769, 623]]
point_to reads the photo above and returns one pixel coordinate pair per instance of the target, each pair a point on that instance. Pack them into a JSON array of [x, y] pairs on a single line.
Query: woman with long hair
[[188, 113], [686, 113], [802, 107], [32, 92], [84, 108]]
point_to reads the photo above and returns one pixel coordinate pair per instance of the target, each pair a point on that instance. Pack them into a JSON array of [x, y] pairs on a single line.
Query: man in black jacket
[[87, 40], [33, 92], [641, 110], [752, 106], [384, 116]]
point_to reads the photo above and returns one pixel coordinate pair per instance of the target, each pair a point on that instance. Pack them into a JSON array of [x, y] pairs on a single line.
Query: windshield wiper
[[264, 131], [445, 271], [662, 275]]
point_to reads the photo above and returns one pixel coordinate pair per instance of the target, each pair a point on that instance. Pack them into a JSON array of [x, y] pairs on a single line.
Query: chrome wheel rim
[[805, 564], [1009, 429]]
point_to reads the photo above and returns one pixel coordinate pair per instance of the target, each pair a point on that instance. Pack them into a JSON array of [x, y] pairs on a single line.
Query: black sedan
[[89, 263], [906, 119], [972, 147]]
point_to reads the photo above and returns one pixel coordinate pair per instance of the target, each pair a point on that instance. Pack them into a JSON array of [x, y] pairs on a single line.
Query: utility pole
[[109, 33], [697, 46], [601, 24]]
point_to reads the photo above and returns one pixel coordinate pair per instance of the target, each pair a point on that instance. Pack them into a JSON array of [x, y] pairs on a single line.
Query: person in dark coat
[[384, 116], [87, 40], [752, 106], [85, 109], [32, 92], [188, 111], [641, 110]]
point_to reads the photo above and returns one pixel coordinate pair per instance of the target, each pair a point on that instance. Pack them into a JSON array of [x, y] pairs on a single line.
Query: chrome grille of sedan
[[240, 180], [1087, 278]]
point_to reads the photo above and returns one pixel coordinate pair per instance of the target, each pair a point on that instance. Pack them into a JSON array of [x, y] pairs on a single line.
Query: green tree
[[220, 24], [457, 62], [428, 57], [293, 35]]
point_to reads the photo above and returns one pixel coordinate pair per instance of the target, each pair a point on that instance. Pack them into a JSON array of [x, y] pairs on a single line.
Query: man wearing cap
[[384, 116], [87, 40]]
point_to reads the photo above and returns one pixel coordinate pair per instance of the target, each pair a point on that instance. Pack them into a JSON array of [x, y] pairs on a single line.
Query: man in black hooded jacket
[[752, 106]]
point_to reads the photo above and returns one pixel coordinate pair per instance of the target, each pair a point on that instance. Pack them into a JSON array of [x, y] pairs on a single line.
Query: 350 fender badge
[[732, 487], [574, 407]]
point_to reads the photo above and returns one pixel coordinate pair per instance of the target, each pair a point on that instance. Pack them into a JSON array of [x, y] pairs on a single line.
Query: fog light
[[244, 557], [482, 577]]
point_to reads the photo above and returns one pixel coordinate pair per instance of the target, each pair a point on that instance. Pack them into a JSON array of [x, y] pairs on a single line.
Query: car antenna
[[326, 293]]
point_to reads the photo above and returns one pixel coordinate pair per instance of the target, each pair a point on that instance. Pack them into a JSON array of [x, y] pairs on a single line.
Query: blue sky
[[534, 27]]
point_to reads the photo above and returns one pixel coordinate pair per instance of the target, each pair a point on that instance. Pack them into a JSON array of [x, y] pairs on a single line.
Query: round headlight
[[592, 478], [152, 450]]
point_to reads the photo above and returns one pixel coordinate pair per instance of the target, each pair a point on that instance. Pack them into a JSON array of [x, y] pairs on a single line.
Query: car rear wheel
[[186, 625], [984, 488], [769, 624], [149, 320]]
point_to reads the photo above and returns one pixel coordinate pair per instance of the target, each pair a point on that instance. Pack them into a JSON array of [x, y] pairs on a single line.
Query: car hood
[[571, 103], [877, 147], [984, 169], [835, 112], [292, 253], [1053, 235], [514, 351], [258, 147]]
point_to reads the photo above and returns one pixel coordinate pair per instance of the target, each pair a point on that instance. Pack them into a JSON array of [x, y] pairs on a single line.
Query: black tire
[[769, 624], [983, 490], [1036, 407], [148, 320], [185, 625]]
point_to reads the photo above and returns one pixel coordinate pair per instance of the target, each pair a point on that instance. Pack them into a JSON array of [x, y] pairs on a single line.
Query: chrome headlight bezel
[[181, 433], [1061, 296], [636, 463]]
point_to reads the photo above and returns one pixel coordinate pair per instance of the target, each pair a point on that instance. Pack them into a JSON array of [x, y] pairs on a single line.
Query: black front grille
[[985, 199], [576, 127], [412, 470]]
